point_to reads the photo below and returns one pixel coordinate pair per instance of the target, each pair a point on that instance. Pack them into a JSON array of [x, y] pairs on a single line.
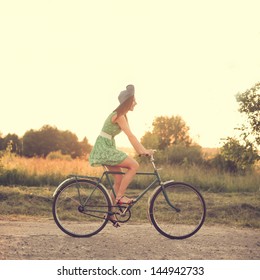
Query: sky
[[64, 62]]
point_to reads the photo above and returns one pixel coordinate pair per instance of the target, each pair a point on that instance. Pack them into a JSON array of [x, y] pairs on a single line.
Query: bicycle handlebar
[[147, 155]]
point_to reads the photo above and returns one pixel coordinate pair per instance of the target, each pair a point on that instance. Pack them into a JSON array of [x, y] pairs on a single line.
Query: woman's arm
[[140, 149]]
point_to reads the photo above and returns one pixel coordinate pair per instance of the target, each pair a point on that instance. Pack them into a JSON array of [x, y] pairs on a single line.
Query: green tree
[[85, 147], [30, 143], [41, 142], [49, 139], [14, 142], [249, 104], [235, 157], [150, 140], [69, 144], [167, 131]]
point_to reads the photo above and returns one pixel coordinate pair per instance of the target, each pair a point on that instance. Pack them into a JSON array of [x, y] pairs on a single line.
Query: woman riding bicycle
[[105, 153]]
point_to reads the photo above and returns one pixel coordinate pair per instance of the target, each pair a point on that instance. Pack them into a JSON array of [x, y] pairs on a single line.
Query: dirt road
[[42, 239]]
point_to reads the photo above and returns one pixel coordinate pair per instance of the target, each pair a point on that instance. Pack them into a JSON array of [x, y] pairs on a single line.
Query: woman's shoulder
[[113, 116]]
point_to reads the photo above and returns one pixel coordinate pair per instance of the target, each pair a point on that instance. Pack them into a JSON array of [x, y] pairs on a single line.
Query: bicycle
[[82, 205]]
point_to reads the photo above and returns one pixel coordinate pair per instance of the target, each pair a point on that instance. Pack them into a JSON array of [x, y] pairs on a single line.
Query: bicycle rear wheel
[[178, 212], [80, 208]]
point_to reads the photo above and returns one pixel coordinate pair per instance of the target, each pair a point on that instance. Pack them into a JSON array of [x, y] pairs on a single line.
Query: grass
[[40, 166], [41, 172], [233, 209]]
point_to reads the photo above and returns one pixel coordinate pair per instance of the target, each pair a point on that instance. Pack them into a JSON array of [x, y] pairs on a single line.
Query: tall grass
[[39, 171], [214, 181], [205, 179], [16, 170]]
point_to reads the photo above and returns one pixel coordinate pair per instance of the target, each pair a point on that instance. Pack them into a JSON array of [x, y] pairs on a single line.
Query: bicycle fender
[[159, 187], [167, 182], [61, 184], [73, 179]]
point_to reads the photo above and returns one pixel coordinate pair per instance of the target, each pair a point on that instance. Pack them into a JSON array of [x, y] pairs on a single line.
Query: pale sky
[[64, 62]]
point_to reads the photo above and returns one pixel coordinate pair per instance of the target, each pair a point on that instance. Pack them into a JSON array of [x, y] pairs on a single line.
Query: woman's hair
[[123, 108]]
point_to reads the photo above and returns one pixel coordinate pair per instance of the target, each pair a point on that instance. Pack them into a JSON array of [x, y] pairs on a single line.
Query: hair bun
[[125, 94], [130, 88]]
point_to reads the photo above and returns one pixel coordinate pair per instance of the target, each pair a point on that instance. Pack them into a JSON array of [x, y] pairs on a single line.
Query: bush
[[235, 157], [180, 155], [19, 177]]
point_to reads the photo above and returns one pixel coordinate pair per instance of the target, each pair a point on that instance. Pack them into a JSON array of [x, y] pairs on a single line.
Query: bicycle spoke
[[80, 208], [179, 212]]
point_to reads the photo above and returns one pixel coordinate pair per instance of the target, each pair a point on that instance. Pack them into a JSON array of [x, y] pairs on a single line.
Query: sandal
[[119, 202], [113, 221]]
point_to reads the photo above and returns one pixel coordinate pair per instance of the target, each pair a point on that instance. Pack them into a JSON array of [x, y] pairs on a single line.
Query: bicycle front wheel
[[177, 210], [80, 208]]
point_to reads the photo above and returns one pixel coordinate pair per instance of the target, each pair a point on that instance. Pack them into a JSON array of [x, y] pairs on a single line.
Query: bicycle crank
[[123, 214]]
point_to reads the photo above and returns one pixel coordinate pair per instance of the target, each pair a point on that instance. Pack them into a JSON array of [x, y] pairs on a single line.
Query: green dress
[[104, 151]]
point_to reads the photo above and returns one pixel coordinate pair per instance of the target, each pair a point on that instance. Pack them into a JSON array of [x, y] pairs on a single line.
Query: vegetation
[[236, 157], [17, 170], [170, 137], [44, 141], [167, 132], [249, 105]]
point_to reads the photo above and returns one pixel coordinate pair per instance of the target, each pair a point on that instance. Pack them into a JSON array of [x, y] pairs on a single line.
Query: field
[[27, 186]]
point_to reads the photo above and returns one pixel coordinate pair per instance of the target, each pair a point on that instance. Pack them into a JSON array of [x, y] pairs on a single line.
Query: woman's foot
[[114, 221], [124, 200]]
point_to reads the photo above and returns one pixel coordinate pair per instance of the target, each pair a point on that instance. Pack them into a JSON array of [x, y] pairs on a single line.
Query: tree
[[69, 144], [30, 143], [12, 140], [49, 139], [150, 140], [235, 157], [167, 131], [249, 104], [239, 155], [41, 142], [85, 147]]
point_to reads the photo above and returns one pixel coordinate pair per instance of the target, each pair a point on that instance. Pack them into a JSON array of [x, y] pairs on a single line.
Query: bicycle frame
[[157, 181]]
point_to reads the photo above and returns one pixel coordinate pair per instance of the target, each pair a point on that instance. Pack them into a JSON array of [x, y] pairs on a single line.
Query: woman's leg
[[132, 166], [121, 182], [117, 180]]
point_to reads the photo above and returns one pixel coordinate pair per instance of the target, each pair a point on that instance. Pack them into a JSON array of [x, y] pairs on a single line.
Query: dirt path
[[42, 239]]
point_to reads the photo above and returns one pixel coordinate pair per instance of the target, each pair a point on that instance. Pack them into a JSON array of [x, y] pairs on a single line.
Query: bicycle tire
[[167, 220], [80, 208]]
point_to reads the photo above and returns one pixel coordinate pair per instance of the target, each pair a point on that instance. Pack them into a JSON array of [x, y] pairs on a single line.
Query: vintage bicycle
[[82, 205]]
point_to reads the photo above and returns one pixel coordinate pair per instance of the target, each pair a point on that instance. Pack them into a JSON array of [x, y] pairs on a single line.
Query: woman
[[105, 153]]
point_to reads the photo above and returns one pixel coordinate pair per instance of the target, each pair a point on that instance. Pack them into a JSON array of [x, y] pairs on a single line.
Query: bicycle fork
[[167, 199]]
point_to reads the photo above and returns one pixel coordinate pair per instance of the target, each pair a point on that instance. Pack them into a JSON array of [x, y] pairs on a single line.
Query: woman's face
[[133, 105]]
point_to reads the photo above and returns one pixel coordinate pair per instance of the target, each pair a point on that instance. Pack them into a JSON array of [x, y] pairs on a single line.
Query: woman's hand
[[148, 152]]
